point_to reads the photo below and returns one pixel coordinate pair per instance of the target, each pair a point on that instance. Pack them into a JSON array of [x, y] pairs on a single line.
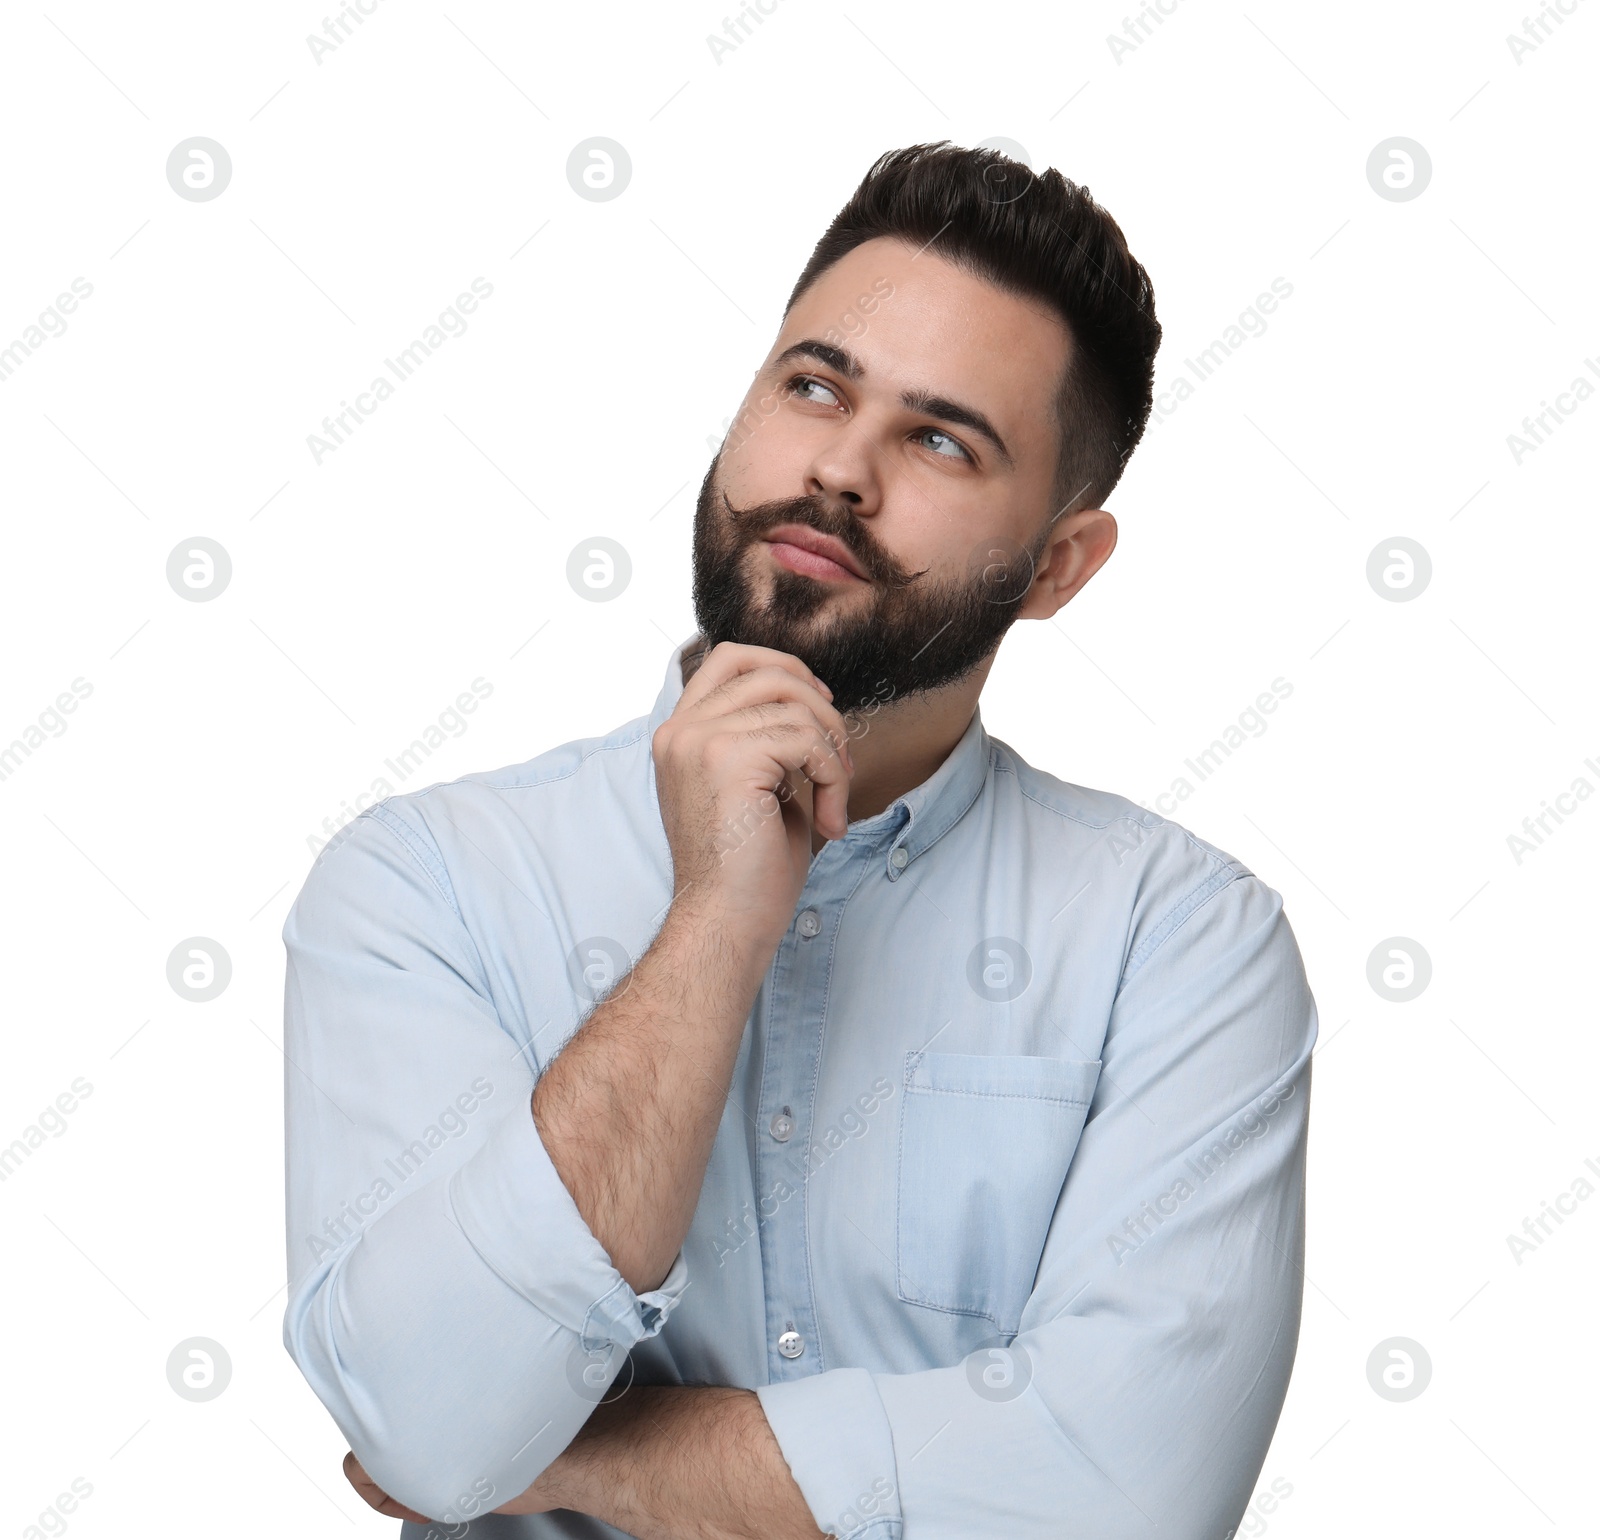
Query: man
[[793, 1112]]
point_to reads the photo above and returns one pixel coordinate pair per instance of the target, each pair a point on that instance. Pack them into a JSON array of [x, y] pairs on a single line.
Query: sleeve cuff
[[834, 1433], [514, 1208]]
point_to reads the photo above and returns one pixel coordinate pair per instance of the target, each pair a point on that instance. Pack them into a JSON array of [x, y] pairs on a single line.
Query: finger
[[796, 745], [771, 684], [827, 807], [374, 1495], [729, 659]]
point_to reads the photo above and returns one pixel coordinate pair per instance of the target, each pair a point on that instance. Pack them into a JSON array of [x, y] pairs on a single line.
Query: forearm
[[672, 1462], [628, 1109]]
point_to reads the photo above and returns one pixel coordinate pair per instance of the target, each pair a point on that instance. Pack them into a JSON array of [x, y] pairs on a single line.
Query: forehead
[[915, 320]]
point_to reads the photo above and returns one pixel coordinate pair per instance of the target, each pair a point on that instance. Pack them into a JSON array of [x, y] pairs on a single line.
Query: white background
[[431, 549]]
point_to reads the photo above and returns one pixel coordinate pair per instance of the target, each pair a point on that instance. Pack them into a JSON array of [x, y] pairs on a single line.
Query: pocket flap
[[1004, 1074]]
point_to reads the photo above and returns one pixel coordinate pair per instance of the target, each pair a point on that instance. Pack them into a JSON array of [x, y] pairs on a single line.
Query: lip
[[803, 539]]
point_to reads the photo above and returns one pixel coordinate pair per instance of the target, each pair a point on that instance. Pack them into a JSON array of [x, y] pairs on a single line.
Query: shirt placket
[[796, 997]]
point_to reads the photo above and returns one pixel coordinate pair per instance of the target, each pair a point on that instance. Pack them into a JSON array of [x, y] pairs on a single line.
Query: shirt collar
[[916, 819]]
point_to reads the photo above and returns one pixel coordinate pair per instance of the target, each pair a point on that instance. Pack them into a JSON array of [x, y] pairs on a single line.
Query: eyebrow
[[844, 362]]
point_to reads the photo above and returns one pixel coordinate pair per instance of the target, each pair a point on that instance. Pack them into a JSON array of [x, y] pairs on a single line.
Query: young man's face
[[908, 410]]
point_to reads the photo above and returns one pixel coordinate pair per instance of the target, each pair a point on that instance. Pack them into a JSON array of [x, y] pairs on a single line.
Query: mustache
[[814, 513]]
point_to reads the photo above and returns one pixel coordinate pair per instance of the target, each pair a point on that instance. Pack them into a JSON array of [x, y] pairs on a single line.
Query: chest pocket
[[985, 1142]]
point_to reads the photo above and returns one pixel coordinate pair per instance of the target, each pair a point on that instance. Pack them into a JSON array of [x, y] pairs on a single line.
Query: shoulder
[[581, 760], [1156, 870], [550, 799], [1087, 818]]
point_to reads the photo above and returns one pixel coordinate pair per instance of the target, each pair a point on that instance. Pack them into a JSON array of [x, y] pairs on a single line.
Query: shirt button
[[810, 922], [782, 1125], [791, 1345], [899, 858]]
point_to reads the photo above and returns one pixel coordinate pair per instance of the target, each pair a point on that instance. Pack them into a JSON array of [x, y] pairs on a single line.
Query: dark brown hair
[[1043, 237]]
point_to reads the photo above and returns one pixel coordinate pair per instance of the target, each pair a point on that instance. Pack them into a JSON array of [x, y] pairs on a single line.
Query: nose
[[842, 472]]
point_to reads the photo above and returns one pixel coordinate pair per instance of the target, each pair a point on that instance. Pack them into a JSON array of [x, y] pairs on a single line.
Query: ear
[[1078, 547]]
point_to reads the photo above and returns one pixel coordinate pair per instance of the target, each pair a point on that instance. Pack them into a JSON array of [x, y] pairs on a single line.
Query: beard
[[909, 634]]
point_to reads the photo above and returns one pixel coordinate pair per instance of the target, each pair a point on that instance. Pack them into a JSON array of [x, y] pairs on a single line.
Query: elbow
[[387, 1404]]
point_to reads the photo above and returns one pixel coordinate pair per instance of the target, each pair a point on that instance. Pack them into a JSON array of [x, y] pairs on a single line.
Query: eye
[[956, 445], [800, 381]]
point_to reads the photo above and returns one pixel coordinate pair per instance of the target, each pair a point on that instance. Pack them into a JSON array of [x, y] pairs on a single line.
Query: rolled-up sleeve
[[448, 1304], [1142, 1389]]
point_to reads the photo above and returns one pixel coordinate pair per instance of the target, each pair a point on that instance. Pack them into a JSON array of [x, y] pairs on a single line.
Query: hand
[[374, 1495], [751, 756]]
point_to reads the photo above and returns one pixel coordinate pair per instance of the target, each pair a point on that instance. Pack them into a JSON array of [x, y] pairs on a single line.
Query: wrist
[[596, 1473], [700, 922]]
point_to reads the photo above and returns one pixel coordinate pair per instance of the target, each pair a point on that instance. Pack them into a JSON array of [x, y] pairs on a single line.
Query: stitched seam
[[816, 1081], [978, 1315], [1132, 818], [885, 1525], [546, 780], [595, 1309], [913, 1059], [1009, 1096], [957, 814], [415, 846], [418, 850], [1148, 822], [1177, 917]]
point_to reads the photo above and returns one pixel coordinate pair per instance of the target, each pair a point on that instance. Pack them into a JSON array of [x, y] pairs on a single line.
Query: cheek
[[764, 453]]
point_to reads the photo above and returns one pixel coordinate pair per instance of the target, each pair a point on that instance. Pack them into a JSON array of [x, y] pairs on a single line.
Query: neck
[[901, 743], [897, 745]]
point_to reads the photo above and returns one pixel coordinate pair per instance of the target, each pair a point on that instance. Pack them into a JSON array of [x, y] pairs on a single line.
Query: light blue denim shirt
[[1004, 1219]]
